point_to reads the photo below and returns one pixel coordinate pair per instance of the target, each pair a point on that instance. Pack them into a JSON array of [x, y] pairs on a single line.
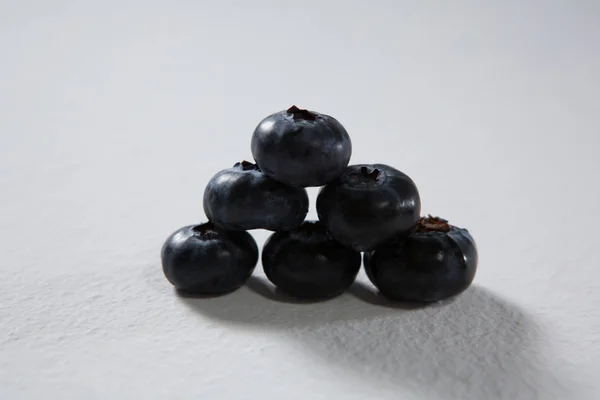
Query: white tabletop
[[114, 115]]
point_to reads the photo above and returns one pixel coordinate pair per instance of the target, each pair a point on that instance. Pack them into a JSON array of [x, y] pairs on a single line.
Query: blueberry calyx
[[365, 177], [246, 166], [302, 114], [432, 224], [205, 231], [312, 230]]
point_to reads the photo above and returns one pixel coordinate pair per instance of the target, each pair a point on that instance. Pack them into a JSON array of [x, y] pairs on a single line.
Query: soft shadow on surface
[[476, 345], [261, 287]]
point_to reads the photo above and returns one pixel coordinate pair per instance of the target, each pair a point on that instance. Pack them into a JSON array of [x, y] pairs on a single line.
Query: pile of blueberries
[[373, 209]]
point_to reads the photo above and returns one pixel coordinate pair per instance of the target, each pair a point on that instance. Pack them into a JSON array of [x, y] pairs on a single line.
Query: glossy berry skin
[[301, 148], [369, 205], [425, 267], [243, 198], [206, 260], [307, 263]]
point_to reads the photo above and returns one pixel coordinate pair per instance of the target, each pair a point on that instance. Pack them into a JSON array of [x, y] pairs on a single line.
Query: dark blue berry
[[369, 205], [243, 198], [301, 148], [435, 262], [307, 263], [204, 259]]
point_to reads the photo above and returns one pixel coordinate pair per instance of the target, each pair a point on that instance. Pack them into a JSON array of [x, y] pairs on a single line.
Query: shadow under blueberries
[[474, 346]]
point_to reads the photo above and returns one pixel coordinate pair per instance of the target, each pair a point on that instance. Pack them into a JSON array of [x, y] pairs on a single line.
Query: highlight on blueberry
[[307, 263], [243, 198], [435, 262], [204, 259], [301, 148], [369, 205]]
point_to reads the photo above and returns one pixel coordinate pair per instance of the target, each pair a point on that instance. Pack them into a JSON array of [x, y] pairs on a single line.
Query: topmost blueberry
[[301, 148]]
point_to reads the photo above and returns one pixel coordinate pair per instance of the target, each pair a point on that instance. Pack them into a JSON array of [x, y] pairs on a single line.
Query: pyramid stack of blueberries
[[370, 209]]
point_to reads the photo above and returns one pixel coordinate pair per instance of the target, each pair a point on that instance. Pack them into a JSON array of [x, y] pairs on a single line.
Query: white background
[[114, 115]]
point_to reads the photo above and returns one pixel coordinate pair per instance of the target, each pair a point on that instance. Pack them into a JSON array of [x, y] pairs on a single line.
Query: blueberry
[[435, 262], [307, 263], [301, 148], [368, 205], [243, 198], [204, 259]]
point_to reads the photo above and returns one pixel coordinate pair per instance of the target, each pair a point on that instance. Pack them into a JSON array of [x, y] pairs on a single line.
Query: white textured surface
[[113, 115]]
